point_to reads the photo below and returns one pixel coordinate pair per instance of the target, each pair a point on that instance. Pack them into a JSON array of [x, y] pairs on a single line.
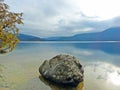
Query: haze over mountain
[[24, 37], [111, 34]]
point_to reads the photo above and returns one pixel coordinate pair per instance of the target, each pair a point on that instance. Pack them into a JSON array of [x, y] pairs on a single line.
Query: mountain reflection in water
[[110, 48]]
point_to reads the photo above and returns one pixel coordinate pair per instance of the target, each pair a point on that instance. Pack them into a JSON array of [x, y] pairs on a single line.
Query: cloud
[[1, 0], [46, 18], [86, 24]]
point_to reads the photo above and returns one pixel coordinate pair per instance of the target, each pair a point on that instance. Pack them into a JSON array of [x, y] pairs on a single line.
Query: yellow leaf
[[80, 86], [8, 27], [0, 28]]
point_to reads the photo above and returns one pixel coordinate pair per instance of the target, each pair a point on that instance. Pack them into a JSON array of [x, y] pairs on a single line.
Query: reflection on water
[[111, 48], [54, 86], [102, 76], [101, 62], [114, 78]]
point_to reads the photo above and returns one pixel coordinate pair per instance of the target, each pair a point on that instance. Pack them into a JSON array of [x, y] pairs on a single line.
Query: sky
[[48, 18]]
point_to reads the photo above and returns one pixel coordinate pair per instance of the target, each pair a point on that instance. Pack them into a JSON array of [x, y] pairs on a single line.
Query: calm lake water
[[101, 62]]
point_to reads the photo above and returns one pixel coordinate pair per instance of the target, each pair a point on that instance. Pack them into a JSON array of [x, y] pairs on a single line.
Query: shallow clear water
[[101, 62]]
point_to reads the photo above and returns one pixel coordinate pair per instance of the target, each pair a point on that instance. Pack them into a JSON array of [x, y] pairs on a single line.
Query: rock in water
[[62, 69]]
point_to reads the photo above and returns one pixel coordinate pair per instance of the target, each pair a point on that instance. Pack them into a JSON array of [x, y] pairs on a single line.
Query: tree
[[8, 28]]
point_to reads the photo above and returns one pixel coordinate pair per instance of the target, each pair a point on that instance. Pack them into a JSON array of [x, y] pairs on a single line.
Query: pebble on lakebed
[[63, 70]]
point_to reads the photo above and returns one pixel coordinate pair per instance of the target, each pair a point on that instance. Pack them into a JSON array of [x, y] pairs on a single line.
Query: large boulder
[[62, 69]]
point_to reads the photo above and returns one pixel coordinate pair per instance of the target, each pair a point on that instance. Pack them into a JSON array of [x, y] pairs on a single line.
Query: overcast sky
[[47, 18]]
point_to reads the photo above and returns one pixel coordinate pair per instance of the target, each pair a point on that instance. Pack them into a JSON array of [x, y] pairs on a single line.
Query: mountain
[[111, 34], [24, 37]]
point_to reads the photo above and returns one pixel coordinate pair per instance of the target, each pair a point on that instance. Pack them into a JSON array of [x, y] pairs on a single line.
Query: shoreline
[[69, 42]]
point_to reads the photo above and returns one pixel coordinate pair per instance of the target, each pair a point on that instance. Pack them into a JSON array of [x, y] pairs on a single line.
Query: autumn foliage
[[8, 28]]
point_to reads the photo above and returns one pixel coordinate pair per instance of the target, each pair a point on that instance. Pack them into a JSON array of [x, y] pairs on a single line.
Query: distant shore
[[69, 41]]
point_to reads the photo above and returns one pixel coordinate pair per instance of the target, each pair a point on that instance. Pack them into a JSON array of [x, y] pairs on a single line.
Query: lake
[[101, 62]]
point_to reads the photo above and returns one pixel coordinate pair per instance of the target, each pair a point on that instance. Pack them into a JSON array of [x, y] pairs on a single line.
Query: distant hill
[[24, 37], [111, 34]]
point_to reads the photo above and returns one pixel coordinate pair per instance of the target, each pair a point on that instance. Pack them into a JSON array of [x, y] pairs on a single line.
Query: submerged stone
[[62, 69]]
